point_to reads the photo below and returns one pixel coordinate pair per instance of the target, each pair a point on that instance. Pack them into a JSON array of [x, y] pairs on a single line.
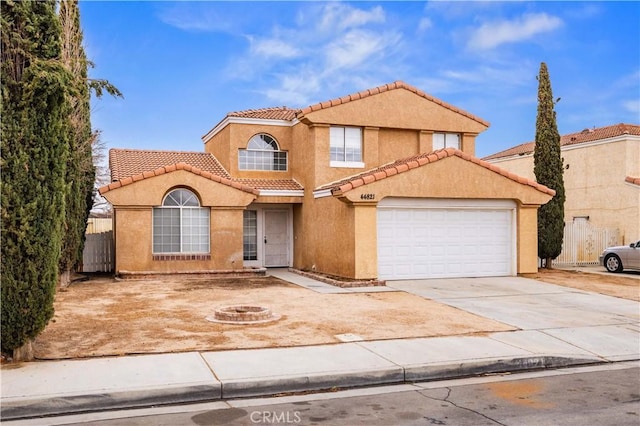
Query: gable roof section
[[173, 168], [406, 164], [129, 166], [385, 88], [130, 162], [586, 135], [286, 114], [272, 184], [275, 113]]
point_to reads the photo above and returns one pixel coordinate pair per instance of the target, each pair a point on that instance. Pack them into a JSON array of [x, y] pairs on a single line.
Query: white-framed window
[[345, 147], [262, 153], [180, 225], [250, 235], [446, 140]]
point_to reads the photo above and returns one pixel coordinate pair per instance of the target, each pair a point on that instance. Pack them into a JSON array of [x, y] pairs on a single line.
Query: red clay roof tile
[[129, 162], [272, 184], [129, 166], [178, 166], [586, 135], [401, 166], [274, 113], [289, 114], [385, 88], [632, 180]]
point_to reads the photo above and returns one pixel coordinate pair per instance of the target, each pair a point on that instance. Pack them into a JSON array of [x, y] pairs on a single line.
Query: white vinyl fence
[[583, 243], [98, 254]]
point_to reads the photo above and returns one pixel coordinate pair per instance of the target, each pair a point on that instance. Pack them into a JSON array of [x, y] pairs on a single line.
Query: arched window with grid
[[262, 153], [180, 225]]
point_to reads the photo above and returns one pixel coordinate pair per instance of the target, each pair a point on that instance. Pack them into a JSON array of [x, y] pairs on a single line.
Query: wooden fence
[[583, 243], [98, 254], [96, 225]]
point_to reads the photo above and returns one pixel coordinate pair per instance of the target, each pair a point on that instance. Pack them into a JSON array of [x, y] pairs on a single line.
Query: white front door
[[276, 238]]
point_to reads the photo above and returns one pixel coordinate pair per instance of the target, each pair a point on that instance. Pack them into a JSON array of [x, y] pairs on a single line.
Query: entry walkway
[[320, 287]]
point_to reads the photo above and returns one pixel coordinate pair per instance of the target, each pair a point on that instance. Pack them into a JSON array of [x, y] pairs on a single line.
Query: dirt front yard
[[102, 316], [108, 317], [617, 285]]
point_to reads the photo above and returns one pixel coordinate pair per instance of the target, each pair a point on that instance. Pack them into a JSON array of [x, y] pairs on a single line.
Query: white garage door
[[435, 238]]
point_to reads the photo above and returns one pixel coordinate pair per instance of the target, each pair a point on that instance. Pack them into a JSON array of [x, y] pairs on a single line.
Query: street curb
[[21, 408], [311, 382], [74, 404], [446, 371]]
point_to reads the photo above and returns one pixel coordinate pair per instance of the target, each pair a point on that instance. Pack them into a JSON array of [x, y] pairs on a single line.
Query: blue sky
[[182, 66]]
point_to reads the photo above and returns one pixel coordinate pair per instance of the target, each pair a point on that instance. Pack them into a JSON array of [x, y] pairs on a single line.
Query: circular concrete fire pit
[[243, 314]]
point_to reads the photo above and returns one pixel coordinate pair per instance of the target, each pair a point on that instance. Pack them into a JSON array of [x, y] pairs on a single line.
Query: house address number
[[367, 196]]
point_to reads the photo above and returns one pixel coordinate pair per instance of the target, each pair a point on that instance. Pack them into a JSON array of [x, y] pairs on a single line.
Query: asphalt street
[[596, 395]]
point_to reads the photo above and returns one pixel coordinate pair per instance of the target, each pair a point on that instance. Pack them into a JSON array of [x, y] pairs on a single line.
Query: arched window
[[262, 153], [180, 225]]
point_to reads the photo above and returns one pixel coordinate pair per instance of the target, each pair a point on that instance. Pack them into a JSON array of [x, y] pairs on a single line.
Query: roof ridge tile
[[415, 161]]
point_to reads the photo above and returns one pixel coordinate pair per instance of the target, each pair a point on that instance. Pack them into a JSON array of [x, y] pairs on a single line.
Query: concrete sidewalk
[[558, 327], [57, 387]]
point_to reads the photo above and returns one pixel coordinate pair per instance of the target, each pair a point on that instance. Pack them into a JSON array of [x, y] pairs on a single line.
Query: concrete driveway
[[587, 320]]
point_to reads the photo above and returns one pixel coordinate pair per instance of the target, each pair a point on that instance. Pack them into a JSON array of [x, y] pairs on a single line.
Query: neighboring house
[[601, 176], [378, 184]]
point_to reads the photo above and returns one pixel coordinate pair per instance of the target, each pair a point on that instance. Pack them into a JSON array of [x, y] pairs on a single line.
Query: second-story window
[[346, 146], [446, 140], [262, 153]]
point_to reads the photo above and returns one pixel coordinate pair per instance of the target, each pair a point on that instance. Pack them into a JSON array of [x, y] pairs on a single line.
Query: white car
[[615, 259]]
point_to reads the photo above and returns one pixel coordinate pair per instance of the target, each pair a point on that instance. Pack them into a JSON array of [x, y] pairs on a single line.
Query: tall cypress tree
[[80, 169], [34, 155], [549, 171]]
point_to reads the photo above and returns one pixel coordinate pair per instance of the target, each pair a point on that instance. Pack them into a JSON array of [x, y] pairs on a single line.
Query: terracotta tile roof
[[275, 113], [586, 135], [128, 166], [385, 88], [406, 164], [130, 162], [272, 184], [285, 113], [172, 168], [632, 180]]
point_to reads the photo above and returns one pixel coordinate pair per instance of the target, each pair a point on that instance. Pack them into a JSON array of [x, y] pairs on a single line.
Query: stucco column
[[366, 240], [370, 153], [468, 143], [425, 141], [527, 230]]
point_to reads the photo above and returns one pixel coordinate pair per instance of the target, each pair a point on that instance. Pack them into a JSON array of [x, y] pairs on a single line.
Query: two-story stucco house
[[381, 184], [601, 176]]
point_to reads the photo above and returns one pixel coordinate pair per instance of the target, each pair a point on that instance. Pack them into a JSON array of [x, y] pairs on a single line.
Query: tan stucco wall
[[350, 240], [219, 146], [396, 109], [133, 207], [226, 144], [527, 239], [324, 233], [134, 251], [594, 184]]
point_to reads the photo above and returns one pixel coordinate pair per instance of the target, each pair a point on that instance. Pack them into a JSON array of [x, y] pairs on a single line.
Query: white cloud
[[195, 19], [273, 48], [424, 24], [356, 47], [340, 17], [329, 47], [633, 106], [491, 35], [295, 89]]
